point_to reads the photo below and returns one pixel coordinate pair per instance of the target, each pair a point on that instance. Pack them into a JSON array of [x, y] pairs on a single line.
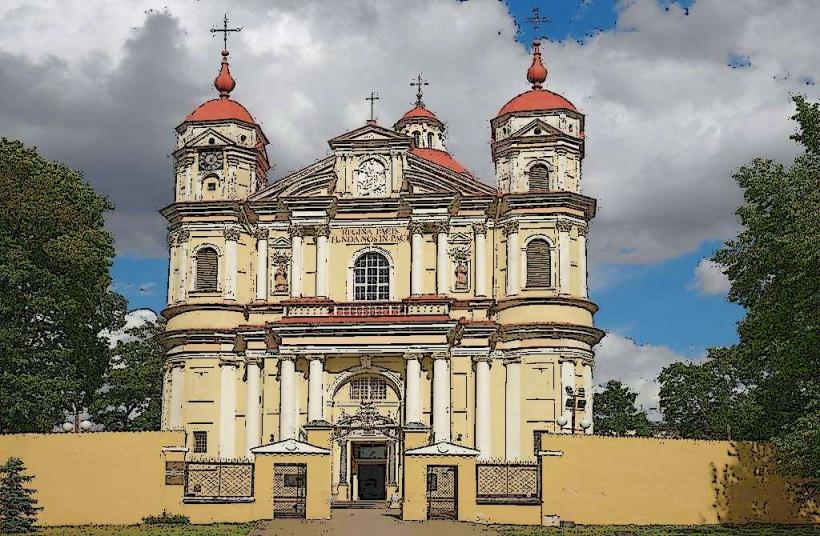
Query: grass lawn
[[219, 529], [633, 530]]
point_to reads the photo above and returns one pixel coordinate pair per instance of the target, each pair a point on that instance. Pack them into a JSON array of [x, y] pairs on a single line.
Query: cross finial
[[536, 20], [418, 82], [225, 31], [372, 98]]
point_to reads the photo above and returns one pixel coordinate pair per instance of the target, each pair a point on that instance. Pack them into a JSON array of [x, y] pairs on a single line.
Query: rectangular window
[[200, 442]]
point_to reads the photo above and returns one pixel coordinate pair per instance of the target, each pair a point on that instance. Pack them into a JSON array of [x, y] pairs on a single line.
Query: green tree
[[614, 412], [18, 507], [774, 269], [55, 297], [131, 397]]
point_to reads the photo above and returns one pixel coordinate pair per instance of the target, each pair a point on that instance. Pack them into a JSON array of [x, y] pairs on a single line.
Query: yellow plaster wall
[[605, 480]]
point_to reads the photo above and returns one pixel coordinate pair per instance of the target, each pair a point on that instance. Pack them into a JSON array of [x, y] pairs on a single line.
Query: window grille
[[539, 260], [200, 442], [371, 278], [539, 177], [368, 388], [207, 270], [508, 483]]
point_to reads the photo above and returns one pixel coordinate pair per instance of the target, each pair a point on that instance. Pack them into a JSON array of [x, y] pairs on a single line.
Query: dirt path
[[352, 522]]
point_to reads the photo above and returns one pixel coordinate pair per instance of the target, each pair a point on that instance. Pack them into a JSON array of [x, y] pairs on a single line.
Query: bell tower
[[538, 138], [220, 152]]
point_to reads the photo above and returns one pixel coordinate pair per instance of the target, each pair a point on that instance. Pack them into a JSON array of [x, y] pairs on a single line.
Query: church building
[[380, 289]]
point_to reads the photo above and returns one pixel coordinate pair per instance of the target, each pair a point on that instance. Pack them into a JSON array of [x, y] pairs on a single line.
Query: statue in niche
[[280, 275], [461, 275]]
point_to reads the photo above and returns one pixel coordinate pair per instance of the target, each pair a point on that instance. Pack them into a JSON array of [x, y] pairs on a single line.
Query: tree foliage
[[614, 412], [131, 397], [18, 507], [767, 385], [55, 297]]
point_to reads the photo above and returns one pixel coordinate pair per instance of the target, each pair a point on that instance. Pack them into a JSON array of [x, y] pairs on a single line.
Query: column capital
[[483, 358], [510, 227], [316, 357], [253, 360], [415, 227], [183, 235], [440, 355], [174, 363], [441, 227], [232, 232], [480, 228], [172, 239], [512, 361], [287, 356], [261, 233], [229, 362], [296, 230], [583, 230], [323, 230], [497, 355], [564, 226], [417, 355]]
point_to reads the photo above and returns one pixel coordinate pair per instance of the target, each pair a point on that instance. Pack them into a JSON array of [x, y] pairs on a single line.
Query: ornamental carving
[[583, 230], [415, 227], [371, 178], [441, 227], [172, 239], [261, 233], [323, 230], [183, 235], [366, 421], [511, 227], [462, 283], [480, 228], [296, 230], [564, 226], [232, 233]]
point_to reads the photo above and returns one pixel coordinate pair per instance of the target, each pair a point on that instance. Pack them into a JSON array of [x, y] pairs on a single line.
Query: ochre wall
[[99, 478], [606, 480]]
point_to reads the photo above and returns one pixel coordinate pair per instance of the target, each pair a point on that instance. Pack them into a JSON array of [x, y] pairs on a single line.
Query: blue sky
[[653, 303]]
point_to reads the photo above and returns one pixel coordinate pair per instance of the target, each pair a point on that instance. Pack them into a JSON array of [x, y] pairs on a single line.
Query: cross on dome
[[224, 82], [418, 82], [372, 98]]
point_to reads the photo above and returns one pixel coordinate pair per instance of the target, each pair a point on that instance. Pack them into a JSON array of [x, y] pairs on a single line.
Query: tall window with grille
[[207, 270], [539, 264], [539, 178], [200, 442], [371, 278], [368, 388]]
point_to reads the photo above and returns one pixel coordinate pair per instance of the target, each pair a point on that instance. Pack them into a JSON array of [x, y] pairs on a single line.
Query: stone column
[[582, 260], [287, 398], [512, 397], [567, 380], [253, 410], [441, 397], [322, 234], [231, 238], [483, 436], [227, 408], [316, 388], [262, 264], [296, 233], [442, 259], [412, 390], [172, 266], [586, 375], [513, 258], [175, 409], [480, 232], [416, 231], [564, 228], [182, 264]]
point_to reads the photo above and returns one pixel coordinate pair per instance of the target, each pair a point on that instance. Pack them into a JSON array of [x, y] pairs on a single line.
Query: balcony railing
[[355, 309]]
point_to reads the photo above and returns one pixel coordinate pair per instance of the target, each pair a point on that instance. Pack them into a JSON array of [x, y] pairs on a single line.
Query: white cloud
[[710, 279], [133, 319], [667, 120], [635, 365]]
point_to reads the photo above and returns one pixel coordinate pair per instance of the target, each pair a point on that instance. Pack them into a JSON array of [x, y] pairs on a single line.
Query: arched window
[[371, 277], [417, 138], [539, 264], [430, 140], [207, 270], [539, 177], [368, 388]]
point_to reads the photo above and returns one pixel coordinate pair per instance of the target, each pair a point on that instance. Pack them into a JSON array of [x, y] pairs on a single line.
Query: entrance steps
[[360, 505]]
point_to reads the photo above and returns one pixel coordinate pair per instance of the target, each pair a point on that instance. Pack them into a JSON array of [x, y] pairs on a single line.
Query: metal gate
[[289, 490], [442, 492]]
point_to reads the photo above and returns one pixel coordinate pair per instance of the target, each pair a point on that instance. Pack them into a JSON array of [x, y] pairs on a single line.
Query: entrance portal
[[370, 467]]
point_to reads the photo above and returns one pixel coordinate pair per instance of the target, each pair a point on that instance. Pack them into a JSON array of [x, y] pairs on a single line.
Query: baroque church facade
[[380, 289]]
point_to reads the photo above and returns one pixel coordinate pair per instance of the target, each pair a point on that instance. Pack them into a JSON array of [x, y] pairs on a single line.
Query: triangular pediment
[[442, 448], [204, 139], [289, 446], [369, 133], [536, 127], [317, 179]]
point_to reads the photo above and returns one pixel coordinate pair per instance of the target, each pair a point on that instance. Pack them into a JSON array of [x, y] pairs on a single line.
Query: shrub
[[166, 519]]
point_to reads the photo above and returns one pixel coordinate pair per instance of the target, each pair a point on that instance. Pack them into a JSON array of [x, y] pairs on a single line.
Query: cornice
[[503, 304], [554, 200], [550, 330]]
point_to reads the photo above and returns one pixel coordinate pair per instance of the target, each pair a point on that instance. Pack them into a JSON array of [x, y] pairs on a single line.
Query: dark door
[[442, 492], [371, 482]]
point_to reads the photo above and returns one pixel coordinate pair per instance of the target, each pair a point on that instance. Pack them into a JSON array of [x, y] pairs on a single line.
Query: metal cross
[[372, 98], [418, 83], [536, 19], [225, 31]]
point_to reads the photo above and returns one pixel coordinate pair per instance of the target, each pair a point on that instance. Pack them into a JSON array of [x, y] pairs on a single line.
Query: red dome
[[536, 100], [419, 111], [219, 109]]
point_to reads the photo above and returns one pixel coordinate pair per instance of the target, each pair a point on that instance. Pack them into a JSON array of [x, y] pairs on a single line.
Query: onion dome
[[223, 107], [536, 99]]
